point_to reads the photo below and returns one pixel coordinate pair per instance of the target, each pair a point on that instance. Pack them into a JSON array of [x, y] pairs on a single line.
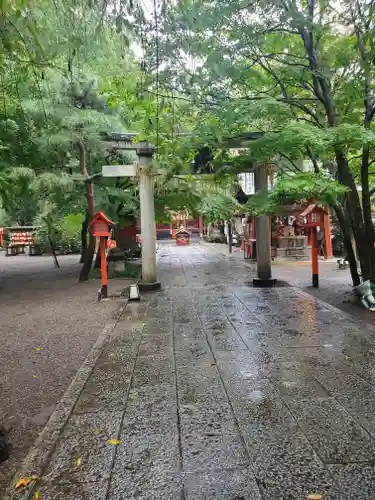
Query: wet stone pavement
[[216, 390]]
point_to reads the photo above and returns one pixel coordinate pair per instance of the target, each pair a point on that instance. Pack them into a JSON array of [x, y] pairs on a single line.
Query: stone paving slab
[[85, 440], [335, 437], [65, 490], [215, 390], [237, 484]]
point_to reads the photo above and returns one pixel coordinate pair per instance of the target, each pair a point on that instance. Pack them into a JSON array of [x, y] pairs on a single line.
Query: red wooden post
[[100, 228], [103, 268], [309, 233], [327, 235], [314, 257]]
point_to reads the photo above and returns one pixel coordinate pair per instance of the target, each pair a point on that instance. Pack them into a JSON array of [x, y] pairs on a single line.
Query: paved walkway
[[335, 285], [215, 390]]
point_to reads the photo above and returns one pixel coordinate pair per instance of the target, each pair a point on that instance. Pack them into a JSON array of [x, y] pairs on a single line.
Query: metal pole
[[146, 196]]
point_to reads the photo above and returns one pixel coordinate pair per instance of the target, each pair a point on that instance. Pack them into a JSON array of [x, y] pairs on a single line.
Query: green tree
[[281, 66]]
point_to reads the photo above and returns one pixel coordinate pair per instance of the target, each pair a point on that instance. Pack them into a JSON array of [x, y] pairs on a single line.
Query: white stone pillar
[[146, 198]]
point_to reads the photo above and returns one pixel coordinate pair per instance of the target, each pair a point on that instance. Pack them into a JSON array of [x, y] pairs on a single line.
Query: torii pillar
[[263, 240], [325, 219], [146, 197]]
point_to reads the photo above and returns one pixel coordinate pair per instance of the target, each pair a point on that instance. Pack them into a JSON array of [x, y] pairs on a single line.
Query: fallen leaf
[[25, 481], [34, 376], [37, 348], [99, 431], [114, 441], [78, 461], [315, 497], [37, 495]]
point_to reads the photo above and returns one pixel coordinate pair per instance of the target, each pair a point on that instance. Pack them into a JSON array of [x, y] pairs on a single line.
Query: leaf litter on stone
[[25, 481]]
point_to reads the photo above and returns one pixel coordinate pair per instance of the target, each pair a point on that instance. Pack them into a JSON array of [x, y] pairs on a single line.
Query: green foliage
[[63, 231], [217, 206], [299, 188], [19, 199], [71, 231], [304, 187]]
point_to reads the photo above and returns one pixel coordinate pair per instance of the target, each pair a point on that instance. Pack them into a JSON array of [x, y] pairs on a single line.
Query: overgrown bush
[[63, 232]]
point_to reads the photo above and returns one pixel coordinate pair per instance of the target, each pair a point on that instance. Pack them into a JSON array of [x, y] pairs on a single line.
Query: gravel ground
[[48, 323]]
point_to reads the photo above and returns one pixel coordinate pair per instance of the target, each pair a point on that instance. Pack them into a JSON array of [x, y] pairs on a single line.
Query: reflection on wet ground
[[220, 391]]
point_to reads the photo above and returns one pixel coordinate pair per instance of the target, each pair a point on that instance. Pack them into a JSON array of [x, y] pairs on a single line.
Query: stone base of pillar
[[264, 283], [149, 287]]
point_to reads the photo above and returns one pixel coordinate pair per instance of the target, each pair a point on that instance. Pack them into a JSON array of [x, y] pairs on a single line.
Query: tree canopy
[[300, 75]]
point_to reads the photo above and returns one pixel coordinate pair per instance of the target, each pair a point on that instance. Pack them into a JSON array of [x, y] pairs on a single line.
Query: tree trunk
[[98, 260], [89, 256], [230, 238], [348, 245], [85, 225], [56, 262], [89, 193], [323, 92], [366, 207], [355, 214], [97, 263]]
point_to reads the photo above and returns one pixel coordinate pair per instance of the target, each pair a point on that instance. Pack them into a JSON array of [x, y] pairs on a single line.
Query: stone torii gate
[[145, 151], [261, 171], [142, 171]]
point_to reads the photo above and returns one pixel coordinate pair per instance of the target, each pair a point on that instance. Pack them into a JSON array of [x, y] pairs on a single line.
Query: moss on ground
[[131, 271]]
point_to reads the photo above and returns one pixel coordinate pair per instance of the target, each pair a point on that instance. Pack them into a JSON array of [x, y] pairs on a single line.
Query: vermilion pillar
[[327, 235], [309, 232], [314, 257], [103, 268]]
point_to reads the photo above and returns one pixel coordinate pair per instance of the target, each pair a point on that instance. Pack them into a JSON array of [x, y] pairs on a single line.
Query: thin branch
[[279, 30], [311, 154], [294, 101], [283, 61], [91, 178], [355, 158], [304, 108], [291, 161]]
